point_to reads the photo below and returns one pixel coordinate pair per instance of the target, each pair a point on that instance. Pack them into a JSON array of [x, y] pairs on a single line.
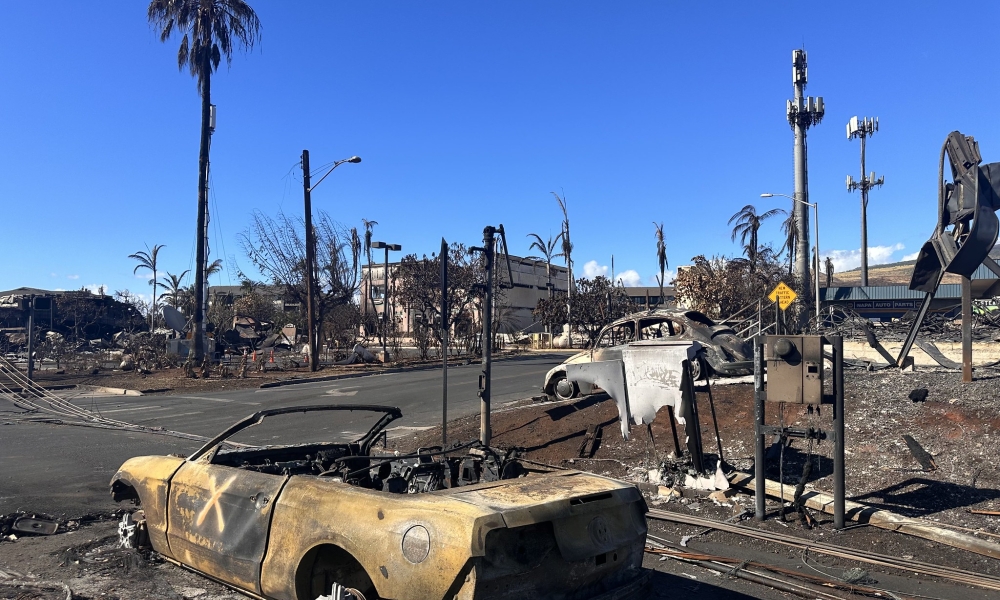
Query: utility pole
[[569, 295], [307, 189], [862, 129], [489, 250], [31, 338], [444, 343], [802, 112], [310, 260]]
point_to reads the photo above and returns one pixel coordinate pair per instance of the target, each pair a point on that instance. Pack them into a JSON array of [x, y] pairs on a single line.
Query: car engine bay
[[426, 470]]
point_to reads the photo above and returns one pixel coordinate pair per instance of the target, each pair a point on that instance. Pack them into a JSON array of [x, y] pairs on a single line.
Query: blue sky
[[471, 113]]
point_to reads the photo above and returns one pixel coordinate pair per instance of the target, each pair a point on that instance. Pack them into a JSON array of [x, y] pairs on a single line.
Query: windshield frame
[[390, 414]]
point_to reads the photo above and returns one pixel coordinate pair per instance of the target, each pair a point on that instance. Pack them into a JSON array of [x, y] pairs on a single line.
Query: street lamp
[[815, 206], [385, 291], [311, 251]]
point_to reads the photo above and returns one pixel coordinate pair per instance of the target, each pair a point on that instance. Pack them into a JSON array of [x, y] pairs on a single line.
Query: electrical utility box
[[794, 368]]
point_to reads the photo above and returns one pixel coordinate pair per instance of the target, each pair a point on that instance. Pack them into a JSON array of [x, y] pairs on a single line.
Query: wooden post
[[966, 330]]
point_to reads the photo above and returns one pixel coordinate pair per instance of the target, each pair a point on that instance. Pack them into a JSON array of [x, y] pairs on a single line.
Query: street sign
[[783, 295]]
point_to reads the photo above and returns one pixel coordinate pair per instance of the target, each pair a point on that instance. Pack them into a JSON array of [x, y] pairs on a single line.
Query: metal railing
[[754, 319]]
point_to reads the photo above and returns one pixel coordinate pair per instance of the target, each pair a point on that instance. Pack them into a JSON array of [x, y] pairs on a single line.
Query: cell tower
[[862, 129], [803, 112]]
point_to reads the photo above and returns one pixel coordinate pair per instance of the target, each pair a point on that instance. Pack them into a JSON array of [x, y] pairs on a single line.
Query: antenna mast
[[862, 129], [803, 112]]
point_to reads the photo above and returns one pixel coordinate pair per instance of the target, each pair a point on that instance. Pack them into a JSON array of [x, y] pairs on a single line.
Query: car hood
[[579, 357]]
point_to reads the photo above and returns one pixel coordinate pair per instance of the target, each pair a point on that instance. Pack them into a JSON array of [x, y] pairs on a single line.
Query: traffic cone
[[255, 355], [272, 355]]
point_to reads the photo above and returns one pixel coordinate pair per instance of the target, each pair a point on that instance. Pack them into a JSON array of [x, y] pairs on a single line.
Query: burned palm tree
[[211, 29], [567, 254], [548, 250], [791, 233], [147, 259], [368, 254], [175, 291], [661, 256], [748, 222]]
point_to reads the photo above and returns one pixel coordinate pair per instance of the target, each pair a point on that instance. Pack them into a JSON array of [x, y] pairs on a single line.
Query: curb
[[284, 382], [62, 386], [113, 391]]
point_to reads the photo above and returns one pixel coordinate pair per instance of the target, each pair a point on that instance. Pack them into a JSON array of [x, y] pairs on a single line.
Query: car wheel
[[132, 531], [698, 368], [340, 592], [564, 389]]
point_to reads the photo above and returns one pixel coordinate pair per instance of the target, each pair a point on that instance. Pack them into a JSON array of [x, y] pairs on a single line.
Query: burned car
[[294, 522], [724, 353]]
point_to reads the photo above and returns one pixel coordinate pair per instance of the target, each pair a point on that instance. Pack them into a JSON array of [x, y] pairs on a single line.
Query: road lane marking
[[217, 399], [340, 392], [132, 408], [171, 416]]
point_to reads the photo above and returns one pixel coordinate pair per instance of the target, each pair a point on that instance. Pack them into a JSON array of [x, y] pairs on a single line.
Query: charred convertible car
[[724, 353], [289, 522]]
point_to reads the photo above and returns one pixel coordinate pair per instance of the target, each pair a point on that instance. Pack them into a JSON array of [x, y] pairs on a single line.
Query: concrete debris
[[717, 481], [359, 354]]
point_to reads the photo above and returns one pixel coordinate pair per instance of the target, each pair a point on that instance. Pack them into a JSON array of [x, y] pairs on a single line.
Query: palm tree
[[210, 27], [791, 233], [548, 250], [368, 253], [215, 267], [747, 223], [147, 260], [661, 255], [174, 289], [567, 252]]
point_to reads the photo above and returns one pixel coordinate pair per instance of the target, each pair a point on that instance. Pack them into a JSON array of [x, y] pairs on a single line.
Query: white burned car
[[724, 353]]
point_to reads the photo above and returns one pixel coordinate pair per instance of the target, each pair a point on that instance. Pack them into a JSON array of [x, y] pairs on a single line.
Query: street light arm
[[353, 159], [792, 198]]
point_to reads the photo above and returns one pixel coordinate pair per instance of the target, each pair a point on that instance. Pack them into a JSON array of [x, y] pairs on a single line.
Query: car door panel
[[219, 519]]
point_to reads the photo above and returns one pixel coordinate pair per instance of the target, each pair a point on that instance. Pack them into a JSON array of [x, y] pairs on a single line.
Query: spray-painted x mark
[[214, 502]]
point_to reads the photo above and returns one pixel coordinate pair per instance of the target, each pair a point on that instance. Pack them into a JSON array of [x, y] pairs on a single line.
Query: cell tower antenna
[[862, 129], [803, 112]]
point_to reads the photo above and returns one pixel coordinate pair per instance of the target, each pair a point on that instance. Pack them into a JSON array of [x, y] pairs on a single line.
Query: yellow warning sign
[[783, 295]]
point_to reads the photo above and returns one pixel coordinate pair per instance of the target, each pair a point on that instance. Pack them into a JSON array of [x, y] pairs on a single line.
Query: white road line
[[410, 428], [174, 415], [217, 399], [133, 408]]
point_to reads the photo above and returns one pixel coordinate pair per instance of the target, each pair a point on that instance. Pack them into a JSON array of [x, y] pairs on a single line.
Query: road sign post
[[783, 295]]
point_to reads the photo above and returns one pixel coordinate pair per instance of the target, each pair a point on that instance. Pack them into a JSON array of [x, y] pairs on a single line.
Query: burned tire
[[564, 389]]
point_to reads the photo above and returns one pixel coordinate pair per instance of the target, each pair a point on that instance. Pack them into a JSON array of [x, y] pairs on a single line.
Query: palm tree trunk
[[199, 277], [152, 313]]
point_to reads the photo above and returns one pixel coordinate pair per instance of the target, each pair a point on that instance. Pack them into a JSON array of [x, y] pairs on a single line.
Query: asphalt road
[[64, 470]]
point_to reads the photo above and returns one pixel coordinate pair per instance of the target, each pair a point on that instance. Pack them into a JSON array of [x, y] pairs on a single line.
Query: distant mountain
[[897, 273]]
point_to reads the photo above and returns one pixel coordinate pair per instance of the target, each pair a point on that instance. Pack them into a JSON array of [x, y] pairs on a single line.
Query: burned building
[[529, 286], [77, 314]]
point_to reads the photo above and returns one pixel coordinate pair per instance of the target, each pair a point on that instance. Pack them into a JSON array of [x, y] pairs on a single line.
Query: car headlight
[[416, 544]]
